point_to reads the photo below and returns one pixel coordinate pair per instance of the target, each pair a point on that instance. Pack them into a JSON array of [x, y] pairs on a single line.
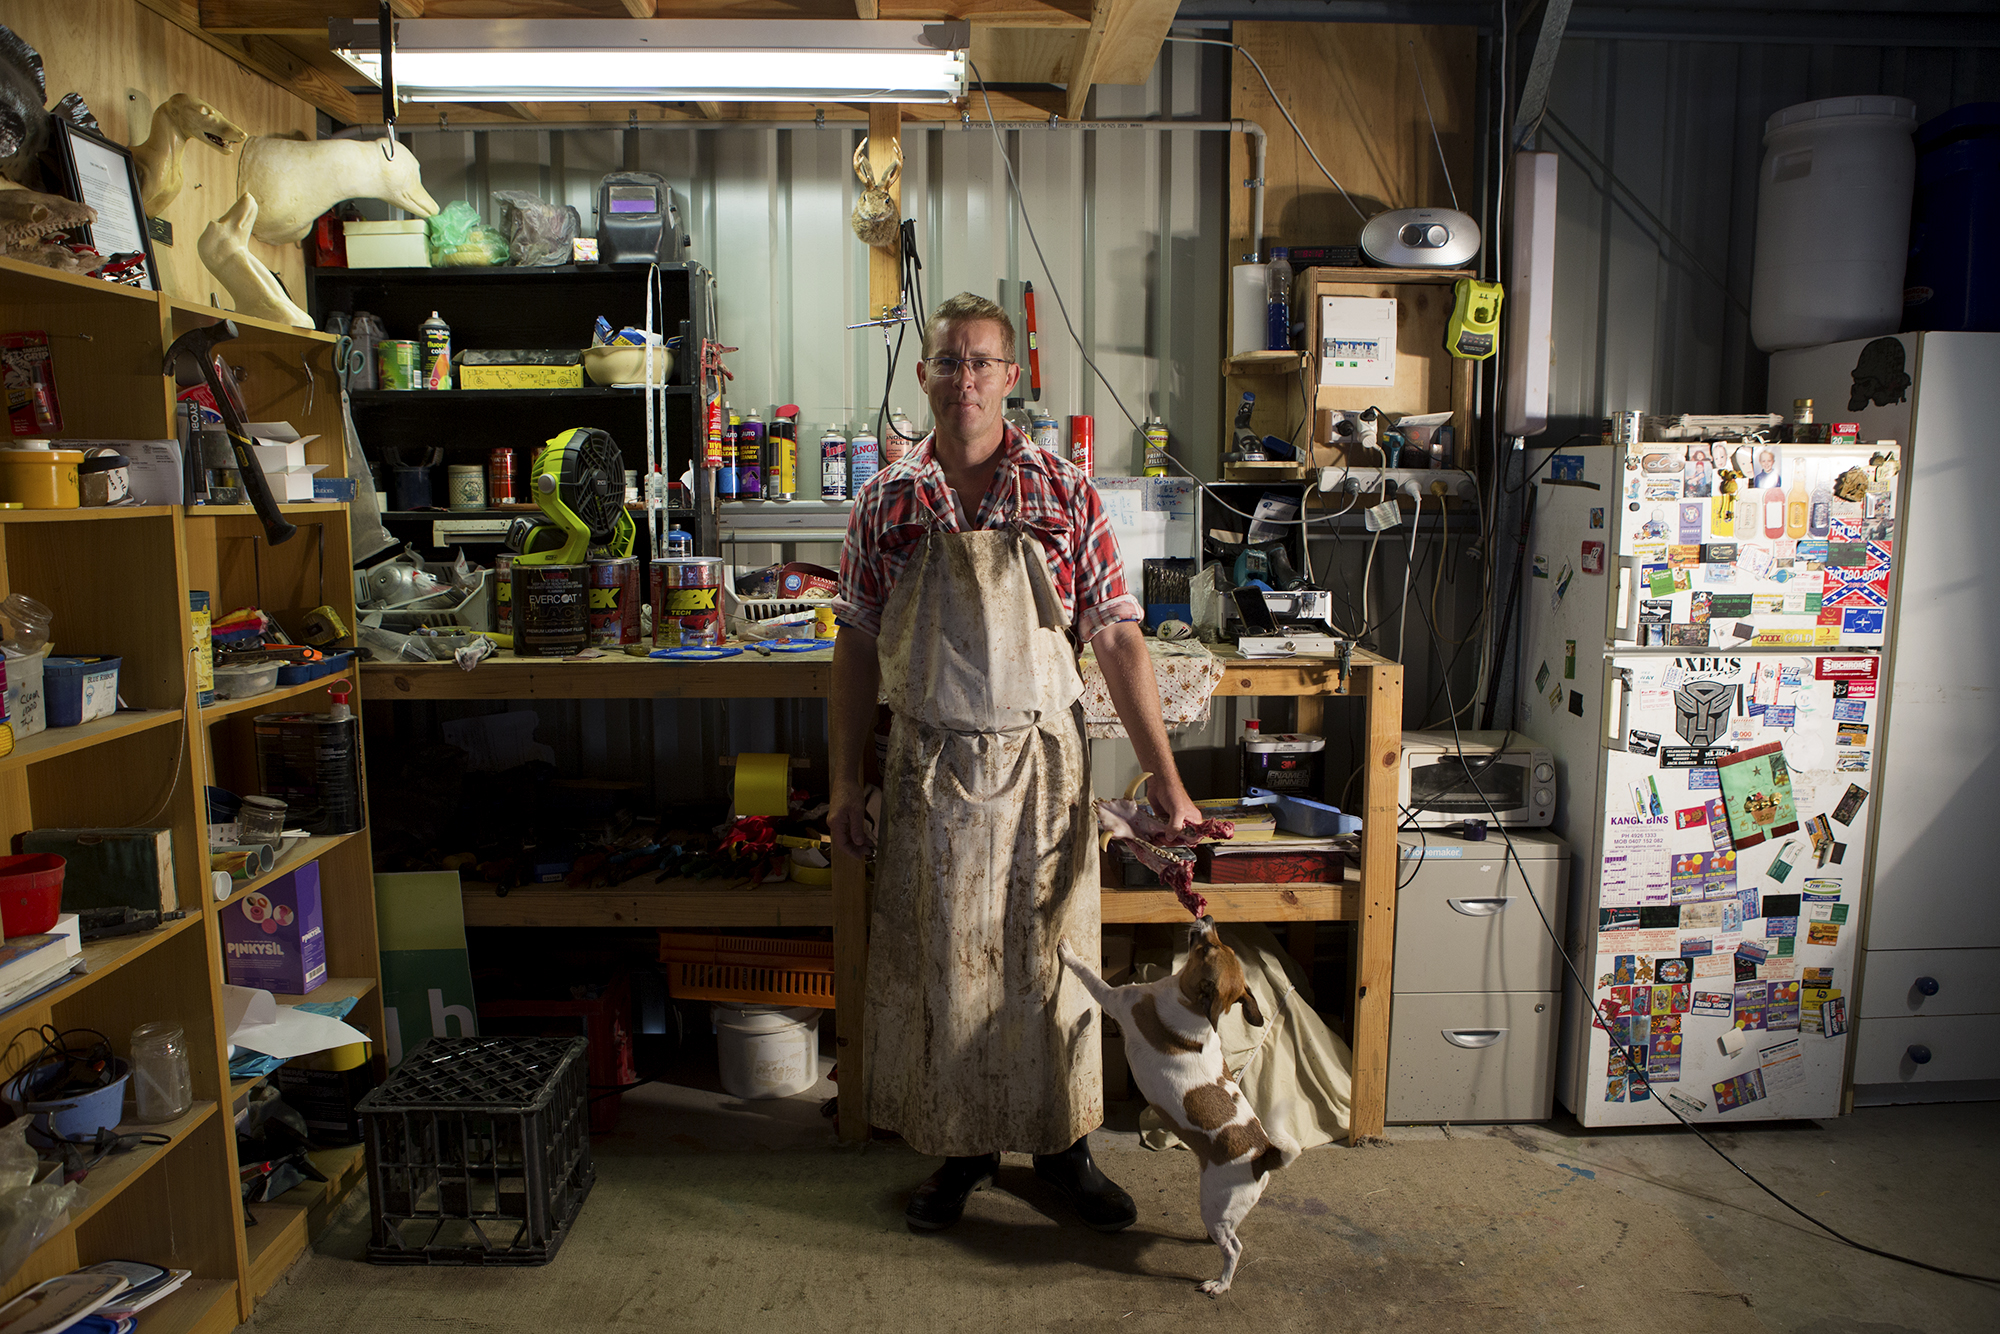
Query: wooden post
[[1380, 687], [850, 981], [885, 263]]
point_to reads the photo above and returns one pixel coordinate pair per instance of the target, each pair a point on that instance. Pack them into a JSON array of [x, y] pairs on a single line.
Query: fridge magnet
[[1621, 970], [1853, 588], [1781, 1007], [1620, 1003], [1689, 875], [1822, 933], [1719, 553], [1746, 969], [1851, 711], [1850, 734], [1688, 636], [1757, 794], [1747, 900], [1597, 516], [1732, 917], [1614, 1089], [1810, 554], [1799, 604], [1656, 611], [1781, 865], [1756, 560], [1849, 805], [1555, 697], [1698, 606], [1768, 460], [1542, 677], [1683, 554], [1675, 970], [1851, 764], [1848, 555], [1664, 917], [1576, 703], [1659, 580], [1698, 915], [1657, 490], [1719, 574], [1780, 905], [1754, 952], [1739, 1092], [1593, 557], [1786, 944], [1833, 1017], [1696, 947], [1702, 709], [1663, 1060], [1569, 660], [1541, 567], [1689, 513], [1689, 817], [1702, 778], [1784, 717], [1821, 834], [1561, 589], [1617, 919], [1781, 929], [1781, 1066], [1750, 1002], [1818, 977], [1678, 994], [1729, 606], [1862, 621], [1714, 1004], [1643, 743], [1649, 553], [1821, 889], [1642, 1009], [1718, 835], [1663, 1002], [1766, 604]]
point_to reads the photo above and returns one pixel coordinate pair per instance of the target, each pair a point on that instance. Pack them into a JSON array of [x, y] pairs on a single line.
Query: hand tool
[[199, 346]]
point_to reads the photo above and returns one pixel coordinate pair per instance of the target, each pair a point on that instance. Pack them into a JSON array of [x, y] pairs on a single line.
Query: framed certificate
[[92, 170]]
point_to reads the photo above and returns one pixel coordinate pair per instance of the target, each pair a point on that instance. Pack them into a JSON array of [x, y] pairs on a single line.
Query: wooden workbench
[[1367, 898]]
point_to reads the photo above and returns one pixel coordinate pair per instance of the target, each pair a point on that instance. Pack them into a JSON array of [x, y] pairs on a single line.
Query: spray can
[[725, 480], [1156, 447], [864, 459], [902, 435], [712, 455], [1083, 444], [833, 465], [781, 461], [435, 336], [1046, 434], [750, 458]]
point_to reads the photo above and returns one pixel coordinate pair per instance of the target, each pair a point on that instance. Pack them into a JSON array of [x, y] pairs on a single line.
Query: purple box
[[274, 939]]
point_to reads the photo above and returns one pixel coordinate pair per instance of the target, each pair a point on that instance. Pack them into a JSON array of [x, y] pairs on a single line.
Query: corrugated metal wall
[[1660, 145], [1129, 221]]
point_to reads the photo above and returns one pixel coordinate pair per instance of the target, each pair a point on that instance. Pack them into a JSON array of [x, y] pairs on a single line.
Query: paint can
[[551, 606], [614, 602], [396, 363], [503, 593], [687, 602], [500, 477]]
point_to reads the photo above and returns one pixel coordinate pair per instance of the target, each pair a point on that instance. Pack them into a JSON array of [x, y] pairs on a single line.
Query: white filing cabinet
[[1478, 989]]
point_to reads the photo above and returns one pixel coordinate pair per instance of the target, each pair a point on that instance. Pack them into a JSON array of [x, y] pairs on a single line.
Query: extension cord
[[1459, 484]]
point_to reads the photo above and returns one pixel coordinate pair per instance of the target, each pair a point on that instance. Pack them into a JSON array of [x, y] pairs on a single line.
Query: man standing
[[972, 568]]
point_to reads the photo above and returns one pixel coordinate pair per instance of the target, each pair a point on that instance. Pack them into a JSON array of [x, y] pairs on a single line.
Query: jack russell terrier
[[1176, 1055]]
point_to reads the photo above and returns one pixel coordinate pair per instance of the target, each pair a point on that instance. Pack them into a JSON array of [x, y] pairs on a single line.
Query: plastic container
[[1953, 281], [766, 1051], [41, 479], [387, 245], [1278, 301], [1287, 763], [79, 689], [245, 680], [27, 702], [261, 820], [30, 893], [76, 1116], [1304, 816], [162, 1087], [478, 1152], [1247, 301], [760, 969], [1833, 221]]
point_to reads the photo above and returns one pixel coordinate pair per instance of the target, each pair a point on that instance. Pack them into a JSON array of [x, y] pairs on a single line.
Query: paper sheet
[[256, 1020]]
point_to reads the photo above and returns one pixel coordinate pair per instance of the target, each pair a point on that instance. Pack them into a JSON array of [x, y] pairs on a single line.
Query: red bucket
[[30, 893]]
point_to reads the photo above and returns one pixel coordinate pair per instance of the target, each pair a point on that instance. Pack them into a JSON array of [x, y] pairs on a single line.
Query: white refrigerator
[[1705, 667]]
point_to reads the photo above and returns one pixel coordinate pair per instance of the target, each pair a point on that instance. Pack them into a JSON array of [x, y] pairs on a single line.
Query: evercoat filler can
[[614, 602], [550, 610], [687, 602]]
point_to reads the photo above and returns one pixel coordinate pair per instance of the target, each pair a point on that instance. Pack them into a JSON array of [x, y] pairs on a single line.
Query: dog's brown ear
[[1250, 1010]]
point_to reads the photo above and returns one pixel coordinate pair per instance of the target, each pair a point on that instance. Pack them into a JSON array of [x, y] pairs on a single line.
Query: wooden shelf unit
[[117, 582]]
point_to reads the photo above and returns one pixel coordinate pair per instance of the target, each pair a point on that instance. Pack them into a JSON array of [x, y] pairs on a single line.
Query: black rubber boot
[[1098, 1200], [940, 1200]]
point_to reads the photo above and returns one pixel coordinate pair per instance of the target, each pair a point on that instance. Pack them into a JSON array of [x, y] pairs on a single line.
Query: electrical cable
[[1409, 558], [1634, 1071]]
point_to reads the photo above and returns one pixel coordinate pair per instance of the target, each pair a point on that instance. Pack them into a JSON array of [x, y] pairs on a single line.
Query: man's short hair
[[965, 306]]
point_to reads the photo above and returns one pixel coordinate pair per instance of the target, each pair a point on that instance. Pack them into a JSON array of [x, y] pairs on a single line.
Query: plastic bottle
[[1278, 301], [903, 435], [680, 542], [366, 331], [1819, 520], [1156, 447], [833, 465], [1798, 505], [864, 459], [434, 343]]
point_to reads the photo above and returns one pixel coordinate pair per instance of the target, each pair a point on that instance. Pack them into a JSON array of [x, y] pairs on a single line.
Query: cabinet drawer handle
[[1473, 1038], [1479, 907], [1927, 985], [1919, 1053]]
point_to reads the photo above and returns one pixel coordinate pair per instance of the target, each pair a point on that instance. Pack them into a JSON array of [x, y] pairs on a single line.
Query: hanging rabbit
[[875, 219]]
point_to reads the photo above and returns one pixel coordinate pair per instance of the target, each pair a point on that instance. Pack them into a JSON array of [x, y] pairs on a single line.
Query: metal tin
[[781, 461], [1083, 443], [503, 593], [864, 460], [551, 610], [396, 363], [1047, 435], [614, 602], [833, 466], [712, 435], [1625, 428], [466, 486], [500, 477], [750, 458], [1156, 447], [725, 479], [687, 602], [436, 363]]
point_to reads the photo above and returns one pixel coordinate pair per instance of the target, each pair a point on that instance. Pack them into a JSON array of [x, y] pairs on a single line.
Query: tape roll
[[763, 784]]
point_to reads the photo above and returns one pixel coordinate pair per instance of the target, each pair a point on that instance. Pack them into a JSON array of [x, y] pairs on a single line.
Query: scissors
[[347, 359]]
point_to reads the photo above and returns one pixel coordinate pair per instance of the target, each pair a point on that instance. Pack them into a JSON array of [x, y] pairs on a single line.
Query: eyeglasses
[[983, 368]]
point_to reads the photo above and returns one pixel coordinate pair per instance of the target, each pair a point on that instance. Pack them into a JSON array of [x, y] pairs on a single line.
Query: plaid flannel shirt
[[1051, 497]]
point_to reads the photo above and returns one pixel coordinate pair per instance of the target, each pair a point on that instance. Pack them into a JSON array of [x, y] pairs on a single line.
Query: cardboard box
[[387, 245], [275, 938], [520, 377]]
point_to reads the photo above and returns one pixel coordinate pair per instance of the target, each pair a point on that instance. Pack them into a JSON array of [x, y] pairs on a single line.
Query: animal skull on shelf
[[296, 180], [875, 214], [177, 122], [224, 249], [30, 223]]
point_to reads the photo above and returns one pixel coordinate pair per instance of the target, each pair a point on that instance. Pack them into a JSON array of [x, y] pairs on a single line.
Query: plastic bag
[[538, 233], [29, 1213], [459, 239]]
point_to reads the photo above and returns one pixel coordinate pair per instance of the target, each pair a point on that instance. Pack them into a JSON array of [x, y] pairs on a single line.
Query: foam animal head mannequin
[[178, 122], [224, 248], [296, 180], [875, 220], [29, 223]]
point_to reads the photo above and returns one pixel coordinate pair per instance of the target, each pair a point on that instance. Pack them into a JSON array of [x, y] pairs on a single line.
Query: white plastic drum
[[766, 1051], [1833, 221]]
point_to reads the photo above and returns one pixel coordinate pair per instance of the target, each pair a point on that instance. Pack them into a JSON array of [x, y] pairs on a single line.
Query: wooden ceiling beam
[[643, 9], [305, 18], [407, 9], [1132, 40]]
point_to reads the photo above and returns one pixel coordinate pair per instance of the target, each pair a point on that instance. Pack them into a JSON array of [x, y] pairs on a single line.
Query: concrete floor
[[715, 1214]]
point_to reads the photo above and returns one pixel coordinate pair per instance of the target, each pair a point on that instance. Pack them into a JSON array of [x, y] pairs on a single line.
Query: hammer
[[198, 346]]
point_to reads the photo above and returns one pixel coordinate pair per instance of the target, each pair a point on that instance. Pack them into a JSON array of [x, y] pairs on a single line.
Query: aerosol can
[[434, 340], [833, 465]]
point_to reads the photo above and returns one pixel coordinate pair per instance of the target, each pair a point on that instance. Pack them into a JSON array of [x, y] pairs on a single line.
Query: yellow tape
[[763, 784]]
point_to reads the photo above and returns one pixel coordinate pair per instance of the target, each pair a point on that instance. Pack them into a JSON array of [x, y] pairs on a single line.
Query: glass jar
[[27, 624], [162, 1088], [262, 820]]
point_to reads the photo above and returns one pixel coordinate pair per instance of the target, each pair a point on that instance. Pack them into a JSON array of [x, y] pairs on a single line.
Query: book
[[24, 957], [132, 868], [59, 968], [1253, 823], [57, 1303]]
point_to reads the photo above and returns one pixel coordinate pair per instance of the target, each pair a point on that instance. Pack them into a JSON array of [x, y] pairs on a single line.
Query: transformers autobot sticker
[[1701, 711]]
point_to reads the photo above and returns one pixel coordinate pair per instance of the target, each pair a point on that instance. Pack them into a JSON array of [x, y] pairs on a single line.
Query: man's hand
[[1171, 802], [847, 821]]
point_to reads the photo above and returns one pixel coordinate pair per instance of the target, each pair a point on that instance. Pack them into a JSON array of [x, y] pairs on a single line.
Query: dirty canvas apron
[[988, 858]]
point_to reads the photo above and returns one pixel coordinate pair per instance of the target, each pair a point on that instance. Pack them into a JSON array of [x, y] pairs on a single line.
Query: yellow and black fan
[[579, 481]]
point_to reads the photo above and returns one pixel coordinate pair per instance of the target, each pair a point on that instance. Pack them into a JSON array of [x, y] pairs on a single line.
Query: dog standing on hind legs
[[1175, 1053]]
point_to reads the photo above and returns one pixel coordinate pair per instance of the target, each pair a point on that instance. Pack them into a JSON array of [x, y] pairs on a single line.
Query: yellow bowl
[[626, 364]]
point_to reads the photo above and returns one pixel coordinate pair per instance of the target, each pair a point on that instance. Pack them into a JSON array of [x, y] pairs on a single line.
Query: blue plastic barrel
[[1953, 280]]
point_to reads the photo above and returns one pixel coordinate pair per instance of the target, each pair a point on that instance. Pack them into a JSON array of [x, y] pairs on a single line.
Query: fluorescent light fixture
[[662, 60]]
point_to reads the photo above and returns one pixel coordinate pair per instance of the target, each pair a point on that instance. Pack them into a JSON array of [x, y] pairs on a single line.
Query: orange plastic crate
[[755, 970]]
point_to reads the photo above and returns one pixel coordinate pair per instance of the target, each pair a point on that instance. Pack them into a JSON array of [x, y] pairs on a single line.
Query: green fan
[[579, 482]]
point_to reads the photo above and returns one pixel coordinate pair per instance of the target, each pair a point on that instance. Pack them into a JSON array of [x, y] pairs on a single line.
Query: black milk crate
[[479, 1151]]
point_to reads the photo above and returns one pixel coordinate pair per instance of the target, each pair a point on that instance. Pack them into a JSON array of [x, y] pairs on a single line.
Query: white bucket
[[766, 1051]]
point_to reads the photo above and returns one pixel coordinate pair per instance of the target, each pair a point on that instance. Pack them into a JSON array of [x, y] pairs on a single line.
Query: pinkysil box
[[274, 939]]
